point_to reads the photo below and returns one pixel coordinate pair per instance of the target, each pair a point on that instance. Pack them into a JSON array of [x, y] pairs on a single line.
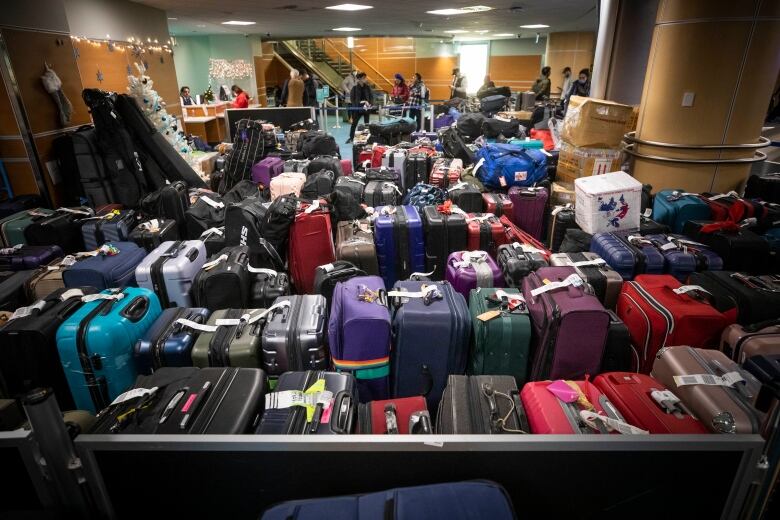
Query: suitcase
[[346, 166], [114, 226], [169, 202], [287, 183], [467, 270], [232, 401], [170, 270], [660, 312], [295, 336], [674, 208], [515, 234], [619, 354], [152, 233], [467, 197], [498, 204], [355, 244], [234, 340], [12, 227], [214, 240], [381, 193], [743, 298], [267, 286], [740, 248], [408, 415], [317, 185], [765, 187], [740, 342], [517, 261], [395, 159], [62, 228], [205, 213], [95, 345], [12, 289], [359, 335], [296, 165], [167, 343], [302, 420], [485, 233], [528, 208], [431, 339], [605, 281], [683, 257], [445, 172], [400, 248], [648, 226], [22, 257], [647, 404], [491, 105], [721, 409], [224, 281], [559, 314], [629, 256], [327, 276], [416, 169], [502, 334], [112, 269], [351, 185], [311, 245], [481, 404], [47, 279], [28, 347], [444, 233], [267, 169]]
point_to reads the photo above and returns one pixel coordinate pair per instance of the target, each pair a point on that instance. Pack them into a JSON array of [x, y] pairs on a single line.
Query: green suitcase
[[12, 228], [230, 345], [500, 343]]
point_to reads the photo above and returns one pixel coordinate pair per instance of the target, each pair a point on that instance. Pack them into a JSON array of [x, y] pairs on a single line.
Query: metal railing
[[357, 57], [630, 141]]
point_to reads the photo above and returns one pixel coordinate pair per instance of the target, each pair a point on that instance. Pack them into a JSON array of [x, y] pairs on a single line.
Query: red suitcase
[[377, 152], [445, 172], [395, 416], [485, 233], [498, 204], [515, 234], [364, 159], [346, 166], [647, 404], [310, 246], [660, 312]]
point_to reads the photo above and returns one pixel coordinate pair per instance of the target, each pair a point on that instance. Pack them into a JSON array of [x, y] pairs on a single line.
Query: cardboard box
[[609, 202], [562, 193], [595, 123], [575, 162], [205, 162]]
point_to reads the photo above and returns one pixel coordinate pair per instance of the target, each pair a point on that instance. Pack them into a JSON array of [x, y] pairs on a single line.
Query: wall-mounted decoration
[[236, 69], [99, 76], [53, 85]]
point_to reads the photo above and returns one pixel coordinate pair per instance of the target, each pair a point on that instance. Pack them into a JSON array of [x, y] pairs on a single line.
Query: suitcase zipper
[[648, 336], [218, 346], [663, 311], [97, 387], [294, 355], [475, 407]]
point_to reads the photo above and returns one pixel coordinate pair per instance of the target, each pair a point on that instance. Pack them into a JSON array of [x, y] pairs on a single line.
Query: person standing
[[566, 81], [361, 99], [487, 84], [309, 89], [242, 98], [458, 85], [294, 91], [347, 83], [400, 93], [542, 85], [418, 93]]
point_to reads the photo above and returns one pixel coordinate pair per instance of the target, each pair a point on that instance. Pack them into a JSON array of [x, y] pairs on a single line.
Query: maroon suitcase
[[485, 233], [498, 204], [395, 416], [311, 245], [529, 205]]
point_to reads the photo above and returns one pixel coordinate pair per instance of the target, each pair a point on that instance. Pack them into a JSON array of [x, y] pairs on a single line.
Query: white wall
[[119, 18]]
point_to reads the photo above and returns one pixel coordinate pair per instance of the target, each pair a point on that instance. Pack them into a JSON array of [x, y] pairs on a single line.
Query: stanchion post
[[338, 116], [431, 118]]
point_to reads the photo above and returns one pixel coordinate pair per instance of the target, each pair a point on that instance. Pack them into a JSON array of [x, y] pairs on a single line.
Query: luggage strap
[[558, 209], [82, 211], [526, 248], [246, 319], [211, 202], [477, 260], [573, 279], [584, 263], [427, 292], [592, 418]]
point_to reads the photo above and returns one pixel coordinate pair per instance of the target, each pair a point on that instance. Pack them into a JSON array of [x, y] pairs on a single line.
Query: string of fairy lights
[[135, 45]]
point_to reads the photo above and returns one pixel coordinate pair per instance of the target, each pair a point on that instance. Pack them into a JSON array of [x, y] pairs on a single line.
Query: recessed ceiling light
[[461, 10], [350, 7], [456, 31], [483, 31], [172, 18], [238, 22], [347, 29], [534, 26], [504, 34]]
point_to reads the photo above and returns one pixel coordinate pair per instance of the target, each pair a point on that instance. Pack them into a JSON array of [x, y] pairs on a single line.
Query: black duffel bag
[[492, 127], [315, 143], [470, 125], [207, 212], [455, 146], [495, 91]]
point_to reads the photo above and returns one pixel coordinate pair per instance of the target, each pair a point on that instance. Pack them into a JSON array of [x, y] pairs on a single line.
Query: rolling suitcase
[[95, 344], [355, 244], [722, 408], [12, 227], [528, 208], [309, 420], [152, 233], [267, 286], [482, 404], [445, 172], [47, 279], [467, 270], [660, 312], [431, 330], [295, 336], [605, 281], [62, 228], [517, 261], [683, 257], [381, 193], [12, 289], [170, 270], [169, 202], [311, 245], [444, 233], [740, 248], [515, 234], [675, 207], [287, 183], [744, 298], [267, 169], [628, 255], [416, 169], [466, 197], [359, 335], [400, 248], [317, 184], [647, 404], [327, 276], [167, 343], [114, 226], [224, 281], [233, 341], [486, 233], [619, 353], [22, 257], [395, 159], [498, 204], [112, 268], [765, 187], [408, 415], [559, 313], [742, 342], [346, 166]]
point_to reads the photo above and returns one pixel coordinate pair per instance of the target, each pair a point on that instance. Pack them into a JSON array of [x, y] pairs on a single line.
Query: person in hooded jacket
[[581, 87]]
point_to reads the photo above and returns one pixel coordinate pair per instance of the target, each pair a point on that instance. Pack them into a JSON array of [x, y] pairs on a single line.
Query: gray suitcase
[[294, 336], [170, 269]]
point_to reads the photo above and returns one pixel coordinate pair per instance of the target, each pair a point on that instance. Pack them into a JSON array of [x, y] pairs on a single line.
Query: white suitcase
[[607, 203], [170, 269]]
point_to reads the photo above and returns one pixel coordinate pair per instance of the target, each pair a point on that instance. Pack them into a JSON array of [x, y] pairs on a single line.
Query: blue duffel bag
[[506, 165]]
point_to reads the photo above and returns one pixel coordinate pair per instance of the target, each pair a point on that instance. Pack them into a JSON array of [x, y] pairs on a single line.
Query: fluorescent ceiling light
[[347, 29], [349, 7], [456, 31], [237, 22], [172, 18], [504, 34], [461, 10], [534, 26], [483, 31]]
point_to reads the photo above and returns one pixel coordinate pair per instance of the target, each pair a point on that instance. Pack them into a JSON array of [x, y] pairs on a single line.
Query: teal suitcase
[[12, 227]]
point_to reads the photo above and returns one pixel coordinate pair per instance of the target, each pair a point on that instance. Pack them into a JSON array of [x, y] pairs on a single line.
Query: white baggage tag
[[723, 195], [21, 312], [211, 202], [152, 225], [132, 394], [683, 289], [290, 398], [558, 209], [526, 248], [212, 231], [87, 212], [458, 186], [327, 267], [729, 379], [315, 205], [415, 275], [94, 297], [648, 212], [426, 290], [213, 263], [10, 250], [71, 293], [612, 424], [573, 279], [584, 263], [261, 270], [669, 245]]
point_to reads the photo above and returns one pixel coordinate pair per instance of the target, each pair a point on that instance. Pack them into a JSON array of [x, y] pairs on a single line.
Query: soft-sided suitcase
[[114, 226], [214, 240], [660, 312], [169, 202], [498, 204], [152, 233], [317, 184], [244, 223], [486, 233], [675, 207], [722, 408], [346, 166], [491, 105], [740, 248], [95, 344], [351, 185], [359, 335], [741, 342], [501, 338], [647, 404], [267, 169], [628, 255], [294, 336], [22, 257], [444, 234], [517, 261], [233, 341], [327, 276], [400, 248], [167, 343], [605, 281], [287, 183], [528, 208], [431, 328], [109, 268], [62, 228], [619, 353], [251, 142], [217, 401], [12, 227], [445, 172], [224, 281], [467, 197], [170, 270], [481, 404], [381, 193], [467, 270], [47, 279], [302, 420], [744, 298], [560, 312], [408, 415], [355, 244], [311, 245]]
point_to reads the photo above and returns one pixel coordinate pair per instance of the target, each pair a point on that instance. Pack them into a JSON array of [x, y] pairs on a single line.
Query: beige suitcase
[[45, 281], [740, 342], [286, 183], [355, 243]]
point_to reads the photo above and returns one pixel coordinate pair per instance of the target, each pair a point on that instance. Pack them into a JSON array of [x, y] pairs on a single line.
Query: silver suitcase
[[170, 269]]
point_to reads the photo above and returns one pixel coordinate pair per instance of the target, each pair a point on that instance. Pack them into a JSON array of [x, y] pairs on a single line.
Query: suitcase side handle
[[136, 309], [427, 380], [343, 414]]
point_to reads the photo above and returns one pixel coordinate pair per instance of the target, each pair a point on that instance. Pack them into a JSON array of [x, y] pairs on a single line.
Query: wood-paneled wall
[[516, 72], [569, 49]]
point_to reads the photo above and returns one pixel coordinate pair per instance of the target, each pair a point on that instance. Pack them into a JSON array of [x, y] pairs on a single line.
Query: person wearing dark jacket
[[581, 87], [309, 90], [361, 98]]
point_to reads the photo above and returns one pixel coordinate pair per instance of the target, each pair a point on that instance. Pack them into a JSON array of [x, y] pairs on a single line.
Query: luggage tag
[[458, 186], [153, 226], [677, 195], [514, 301], [684, 289], [100, 296], [668, 402], [213, 263], [428, 293], [212, 231], [526, 248], [80, 211], [23, 312], [648, 212], [728, 379], [592, 418], [211, 202], [573, 279], [724, 195], [416, 276], [11, 250]]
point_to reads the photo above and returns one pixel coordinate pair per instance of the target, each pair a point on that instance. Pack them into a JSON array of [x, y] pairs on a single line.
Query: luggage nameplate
[[11, 250], [728, 379], [22, 312]]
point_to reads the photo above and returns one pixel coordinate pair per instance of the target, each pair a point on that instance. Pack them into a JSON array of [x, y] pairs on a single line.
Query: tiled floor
[[342, 134]]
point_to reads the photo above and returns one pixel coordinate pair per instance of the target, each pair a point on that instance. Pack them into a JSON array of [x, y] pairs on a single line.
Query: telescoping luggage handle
[[245, 319]]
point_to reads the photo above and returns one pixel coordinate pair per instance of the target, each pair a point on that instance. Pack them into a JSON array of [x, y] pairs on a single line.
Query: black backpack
[[250, 145], [207, 212], [317, 185], [455, 146], [171, 201], [279, 218]]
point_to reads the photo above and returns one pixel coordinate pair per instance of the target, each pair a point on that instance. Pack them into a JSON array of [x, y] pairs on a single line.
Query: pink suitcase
[[548, 414], [286, 183], [467, 270], [267, 169], [346, 166]]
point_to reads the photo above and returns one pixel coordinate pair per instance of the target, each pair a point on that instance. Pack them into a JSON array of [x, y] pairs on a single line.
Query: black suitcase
[[381, 193], [466, 196], [315, 143], [250, 146], [753, 298], [12, 289], [516, 264], [327, 276], [171, 201], [740, 249], [207, 212], [325, 162], [151, 234], [351, 185], [619, 354], [82, 168], [295, 336], [292, 420], [561, 218], [481, 405], [62, 228], [189, 400], [444, 234], [267, 286], [575, 240], [648, 226], [765, 187], [224, 283], [417, 167], [317, 185]]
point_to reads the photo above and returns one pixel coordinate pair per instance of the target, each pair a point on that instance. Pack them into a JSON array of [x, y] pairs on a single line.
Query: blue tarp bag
[[506, 165]]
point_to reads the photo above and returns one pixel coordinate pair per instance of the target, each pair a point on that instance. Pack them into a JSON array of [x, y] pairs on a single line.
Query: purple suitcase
[[467, 270], [570, 325], [359, 335], [267, 169], [22, 257], [528, 208]]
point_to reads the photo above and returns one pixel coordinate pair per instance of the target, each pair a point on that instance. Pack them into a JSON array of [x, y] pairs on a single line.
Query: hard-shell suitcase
[[355, 244], [683, 256], [234, 340], [445, 172], [628, 255], [559, 313], [295, 336], [561, 219], [742, 342], [287, 183], [346, 166], [400, 248], [95, 345], [721, 408], [327, 276], [444, 233], [605, 281], [12, 289], [106, 270], [169, 202], [224, 281], [486, 233], [416, 169], [619, 353], [62, 228], [744, 298], [481, 404], [22, 257], [467, 197], [431, 331], [311, 245], [740, 248], [381, 193], [152, 233], [351, 185], [267, 286], [647, 404], [467, 270], [765, 187], [528, 208], [395, 159], [114, 226], [660, 312], [498, 204], [648, 226], [12, 227], [359, 335], [501, 338], [302, 420], [675, 207], [408, 415], [167, 343], [267, 169], [517, 261], [170, 270]]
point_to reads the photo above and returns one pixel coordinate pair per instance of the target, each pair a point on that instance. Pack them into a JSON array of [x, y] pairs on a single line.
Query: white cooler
[[609, 202]]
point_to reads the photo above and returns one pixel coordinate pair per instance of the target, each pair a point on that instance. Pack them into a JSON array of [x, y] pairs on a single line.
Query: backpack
[[470, 125], [315, 143], [278, 219], [317, 185], [506, 165], [422, 195], [454, 146]]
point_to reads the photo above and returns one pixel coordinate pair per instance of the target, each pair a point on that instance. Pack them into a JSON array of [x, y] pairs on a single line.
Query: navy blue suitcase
[[22, 257], [629, 256], [106, 271], [400, 247], [683, 256], [167, 344], [431, 340], [113, 227], [453, 501]]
